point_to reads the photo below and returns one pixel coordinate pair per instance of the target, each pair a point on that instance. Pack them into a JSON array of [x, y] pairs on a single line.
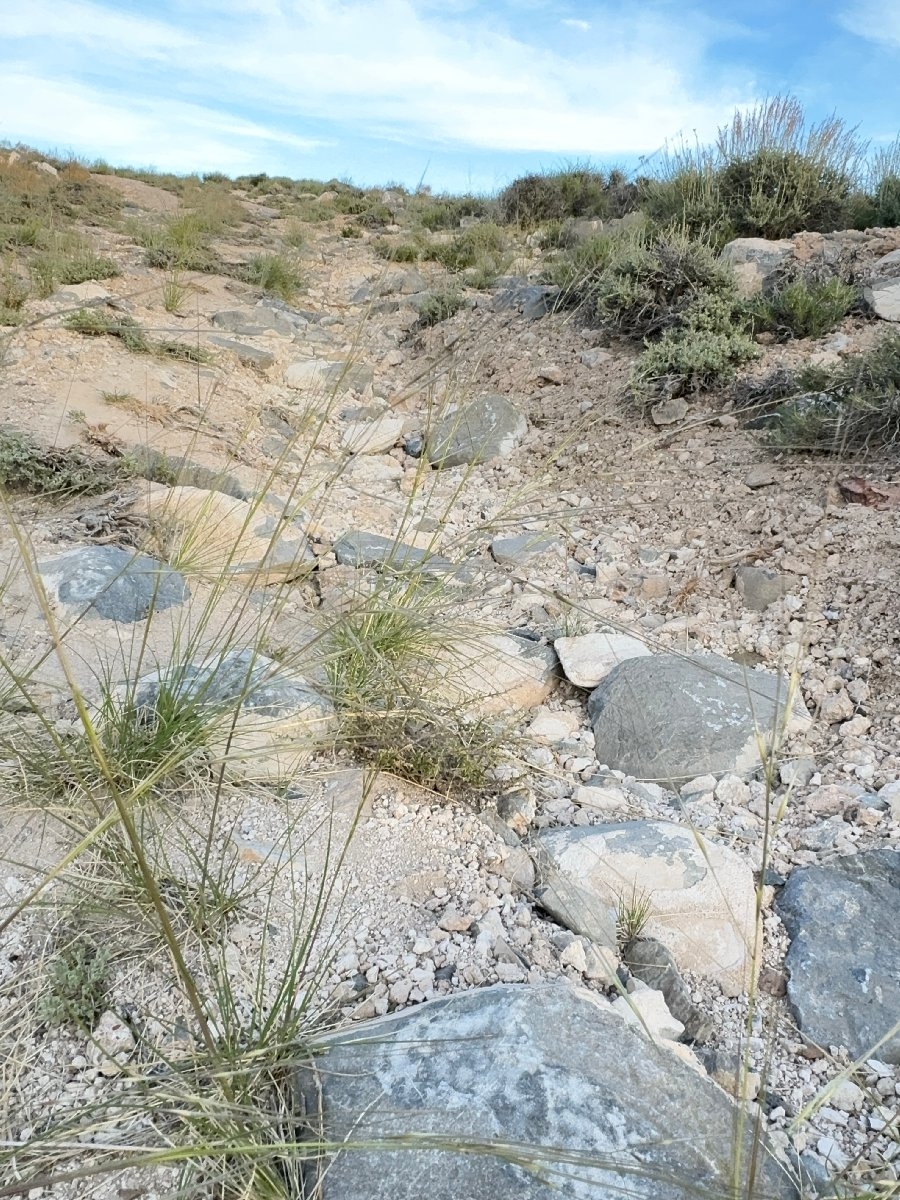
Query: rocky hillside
[[426, 730]]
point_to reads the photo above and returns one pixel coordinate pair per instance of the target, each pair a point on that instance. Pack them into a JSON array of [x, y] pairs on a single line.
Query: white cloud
[[573, 23], [406, 69], [876, 20], [184, 137]]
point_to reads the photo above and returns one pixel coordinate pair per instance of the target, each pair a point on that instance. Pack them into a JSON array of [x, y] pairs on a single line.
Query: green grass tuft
[[276, 274], [803, 309]]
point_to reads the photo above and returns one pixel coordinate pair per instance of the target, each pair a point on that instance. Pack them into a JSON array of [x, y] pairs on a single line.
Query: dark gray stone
[[181, 472], [112, 583], [650, 961], [249, 356], [489, 427], [361, 549], [843, 919], [668, 718], [519, 1093], [532, 300]]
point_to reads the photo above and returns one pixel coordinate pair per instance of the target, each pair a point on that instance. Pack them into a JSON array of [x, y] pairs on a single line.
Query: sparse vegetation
[[382, 659], [94, 322], [239, 933], [770, 174], [847, 409], [634, 910], [175, 293], [438, 306]]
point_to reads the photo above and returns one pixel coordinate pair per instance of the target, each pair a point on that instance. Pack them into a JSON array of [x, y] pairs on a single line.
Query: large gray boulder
[[520, 1093], [843, 919], [489, 427], [112, 583], [671, 718]]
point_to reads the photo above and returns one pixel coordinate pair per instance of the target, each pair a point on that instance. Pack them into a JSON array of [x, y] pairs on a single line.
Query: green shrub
[[27, 466], [700, 352], [887, 201], [770, 174], [446, 212], [14, 291], [803, 309], [181, 351], [93, 322], [576, 191], [381, 660], [276, 274], [439, 306], [648, 281], [850, 408], [82, 267], [400, 252]]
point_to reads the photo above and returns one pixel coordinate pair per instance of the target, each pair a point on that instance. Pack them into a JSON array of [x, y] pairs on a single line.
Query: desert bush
[[380, 658], [804, 308], [77, 983], [27, 466], [770, 174], [699, 352], [446, 212], [400, 251], [575, 191], [438, 306], [850, 408], [640, 283], [93, 322]]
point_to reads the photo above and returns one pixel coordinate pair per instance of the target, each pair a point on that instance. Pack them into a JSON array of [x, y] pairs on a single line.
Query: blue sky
[[459, 94]]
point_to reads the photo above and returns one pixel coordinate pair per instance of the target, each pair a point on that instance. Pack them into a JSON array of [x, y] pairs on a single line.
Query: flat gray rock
[[112, 583], [360, 549], [522, 548], [701, 893], [251, 322], [532, 300], [843, 919], [249, 356], [551, 1093], [670, 718], [329, 375], [489, 427]]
